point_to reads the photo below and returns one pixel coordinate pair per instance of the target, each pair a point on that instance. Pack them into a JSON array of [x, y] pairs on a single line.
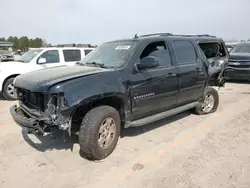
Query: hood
[[8, 55], [14, 67], [11, 63], [42, 80], [239, 57]]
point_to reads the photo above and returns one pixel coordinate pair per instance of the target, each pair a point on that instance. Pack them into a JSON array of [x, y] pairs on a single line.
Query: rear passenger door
[[87, 51], [154, 90], [190, 70]]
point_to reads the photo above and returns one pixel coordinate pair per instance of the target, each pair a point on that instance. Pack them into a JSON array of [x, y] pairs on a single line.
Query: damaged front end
[[41, 112]]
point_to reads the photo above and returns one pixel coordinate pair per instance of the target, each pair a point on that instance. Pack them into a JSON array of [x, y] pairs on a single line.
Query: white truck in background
[[36, 59]]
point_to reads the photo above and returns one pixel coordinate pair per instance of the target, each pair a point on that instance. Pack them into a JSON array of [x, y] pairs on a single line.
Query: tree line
[[24, 43]]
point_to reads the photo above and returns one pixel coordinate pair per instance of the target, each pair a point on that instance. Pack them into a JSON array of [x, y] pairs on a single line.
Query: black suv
[[121, 84]]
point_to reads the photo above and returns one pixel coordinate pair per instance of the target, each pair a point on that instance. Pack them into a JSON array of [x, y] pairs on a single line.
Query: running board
[[162, 115]]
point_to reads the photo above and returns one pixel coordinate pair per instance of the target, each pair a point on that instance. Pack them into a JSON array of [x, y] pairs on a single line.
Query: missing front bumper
[[31, 124]]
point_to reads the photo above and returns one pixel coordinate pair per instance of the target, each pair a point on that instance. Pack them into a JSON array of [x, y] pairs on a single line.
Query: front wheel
[[99, 132], [8, 89], [209, 103]]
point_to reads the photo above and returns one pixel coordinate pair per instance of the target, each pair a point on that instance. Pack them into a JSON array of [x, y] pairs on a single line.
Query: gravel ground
[[183, 151]]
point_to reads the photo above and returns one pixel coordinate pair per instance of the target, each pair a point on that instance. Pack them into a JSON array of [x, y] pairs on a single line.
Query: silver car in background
[[6, 55]]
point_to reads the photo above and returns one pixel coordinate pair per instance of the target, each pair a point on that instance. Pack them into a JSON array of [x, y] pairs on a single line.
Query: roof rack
[[203, 35], [170, 34], [153, 34], [71, 45]]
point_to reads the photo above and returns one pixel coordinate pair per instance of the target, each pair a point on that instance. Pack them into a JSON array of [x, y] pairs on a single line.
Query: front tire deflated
[[99, 132]]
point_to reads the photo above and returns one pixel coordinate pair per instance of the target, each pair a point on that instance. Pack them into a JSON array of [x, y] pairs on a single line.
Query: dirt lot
[[183, 151]]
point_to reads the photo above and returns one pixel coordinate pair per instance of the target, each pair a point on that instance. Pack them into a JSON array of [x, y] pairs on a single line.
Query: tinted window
[[159, 50], [185, 52], [51, 56], [87, 51], [72, 55]]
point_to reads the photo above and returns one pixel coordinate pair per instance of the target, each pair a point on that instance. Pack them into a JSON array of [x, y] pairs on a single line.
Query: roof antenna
[[136, 36]]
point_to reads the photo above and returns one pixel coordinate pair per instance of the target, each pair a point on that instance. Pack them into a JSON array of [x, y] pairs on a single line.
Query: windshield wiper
[[96, 64], [79, 63]]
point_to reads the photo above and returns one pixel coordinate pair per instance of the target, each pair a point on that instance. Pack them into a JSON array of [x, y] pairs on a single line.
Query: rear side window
[[87, 51], [72, 55], [185, 52]]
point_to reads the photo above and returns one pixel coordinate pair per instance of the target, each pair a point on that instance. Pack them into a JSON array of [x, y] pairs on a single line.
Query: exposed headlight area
[[52, 105], [46, 108], [44, 103]]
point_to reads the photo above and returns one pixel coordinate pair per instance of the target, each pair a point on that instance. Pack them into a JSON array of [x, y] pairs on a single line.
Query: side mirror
[[42, 60], [148, 62]]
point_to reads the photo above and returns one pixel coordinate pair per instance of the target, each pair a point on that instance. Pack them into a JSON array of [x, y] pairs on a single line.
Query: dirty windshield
[[28, 56], [111, 54]]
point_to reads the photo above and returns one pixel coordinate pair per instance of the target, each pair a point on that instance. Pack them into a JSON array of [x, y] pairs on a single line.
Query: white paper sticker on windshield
[[122, 47]]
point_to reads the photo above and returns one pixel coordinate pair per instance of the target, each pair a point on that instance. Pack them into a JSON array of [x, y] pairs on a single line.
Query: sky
[[98, 21]]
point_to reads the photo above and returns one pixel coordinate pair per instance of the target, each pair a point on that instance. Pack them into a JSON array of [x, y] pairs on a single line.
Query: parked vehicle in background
[[229, 47], [35, 60], [239, 63], [134, 82], [6, 55]]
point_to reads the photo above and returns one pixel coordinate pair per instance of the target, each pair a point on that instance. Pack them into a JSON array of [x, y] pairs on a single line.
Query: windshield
[[5, 52], [28, 56], [110, 55], [241, 48]]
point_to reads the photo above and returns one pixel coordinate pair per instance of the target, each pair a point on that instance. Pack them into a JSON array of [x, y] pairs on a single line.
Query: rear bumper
[[22, 119], [237, 74]]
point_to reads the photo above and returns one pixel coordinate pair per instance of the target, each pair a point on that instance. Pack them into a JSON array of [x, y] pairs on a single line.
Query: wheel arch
[[5, 80], [80, 111]]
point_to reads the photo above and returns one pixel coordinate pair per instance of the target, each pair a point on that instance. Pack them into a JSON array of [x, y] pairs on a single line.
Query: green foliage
[[24, 43], [3, 39]]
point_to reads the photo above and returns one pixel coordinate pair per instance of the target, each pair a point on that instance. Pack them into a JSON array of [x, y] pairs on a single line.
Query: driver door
[[49, 58], [154, 90]]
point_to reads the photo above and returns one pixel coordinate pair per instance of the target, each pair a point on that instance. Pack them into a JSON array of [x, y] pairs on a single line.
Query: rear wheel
[[99, 132], [8, 89], [209, 103]]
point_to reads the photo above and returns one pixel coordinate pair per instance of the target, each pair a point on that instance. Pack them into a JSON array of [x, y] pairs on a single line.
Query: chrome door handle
[[171, 74]]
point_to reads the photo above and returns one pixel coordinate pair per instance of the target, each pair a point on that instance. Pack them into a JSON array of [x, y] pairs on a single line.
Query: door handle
[[171, 74]]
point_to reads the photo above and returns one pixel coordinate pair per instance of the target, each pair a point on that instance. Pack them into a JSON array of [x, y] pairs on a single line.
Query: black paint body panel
[[143, 93]]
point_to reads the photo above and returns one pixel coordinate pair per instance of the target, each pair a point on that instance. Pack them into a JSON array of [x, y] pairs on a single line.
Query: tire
[[7, 95], [90, 147], [200, 110]]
